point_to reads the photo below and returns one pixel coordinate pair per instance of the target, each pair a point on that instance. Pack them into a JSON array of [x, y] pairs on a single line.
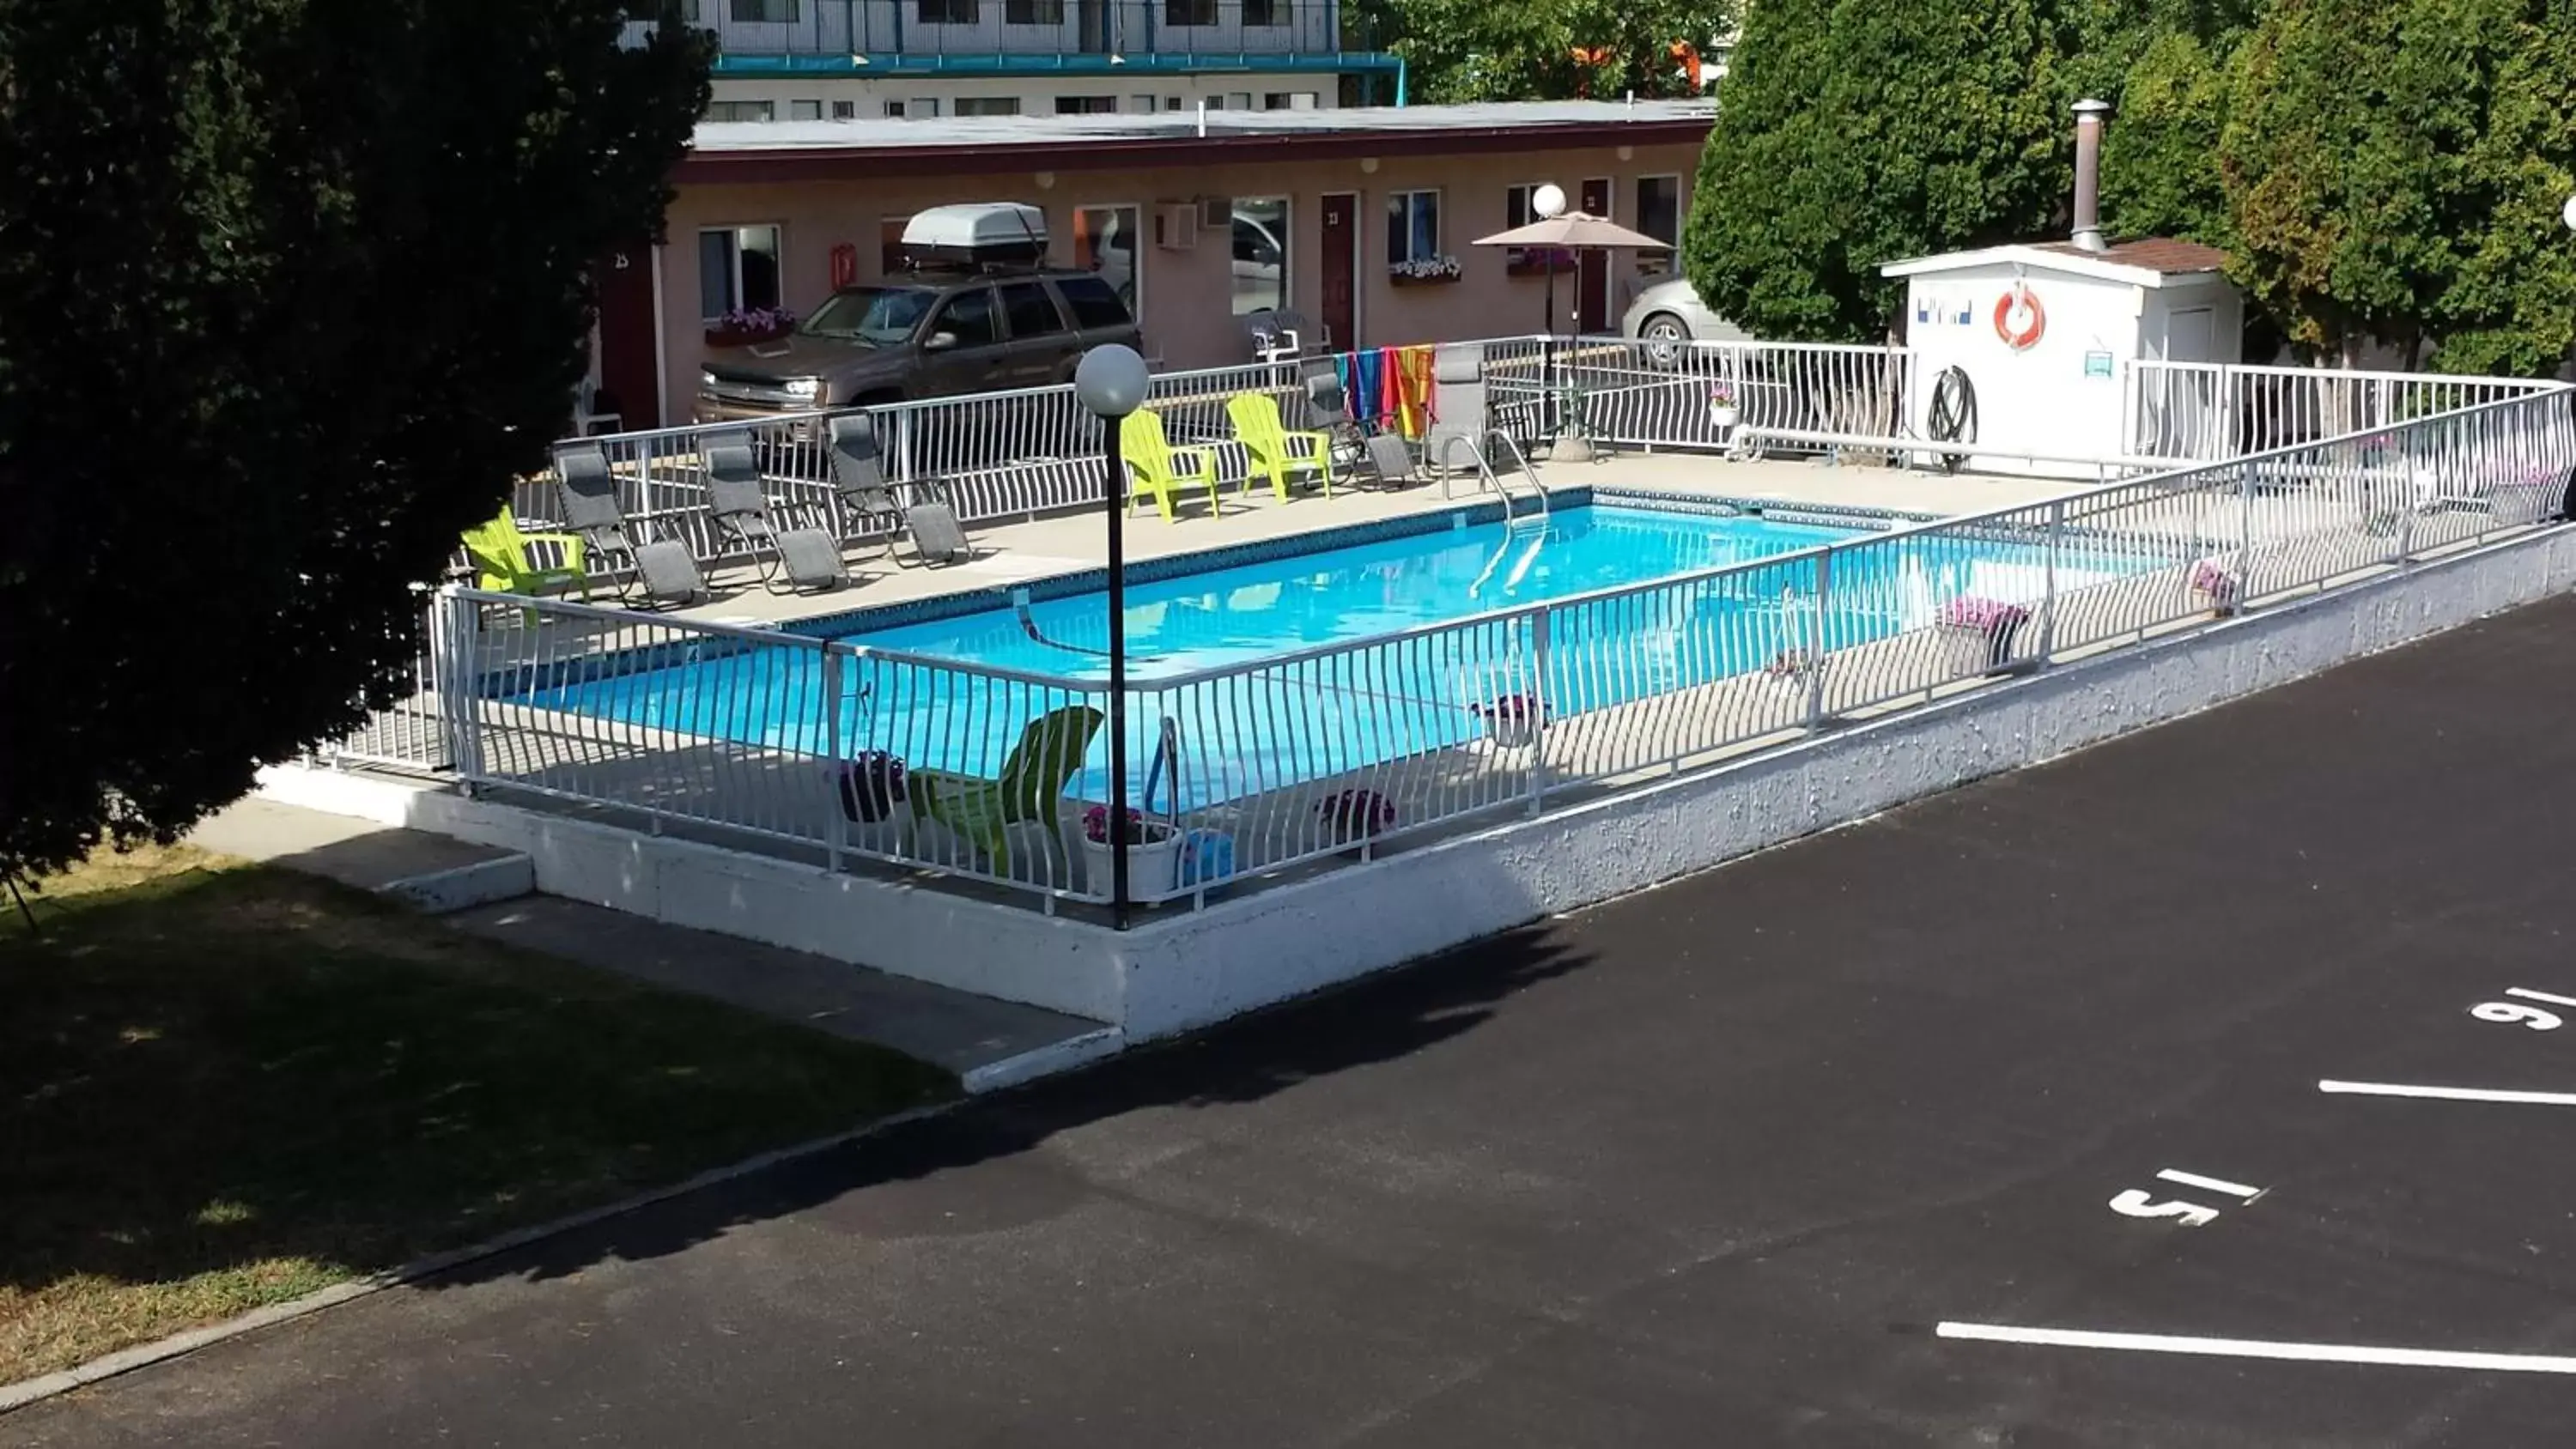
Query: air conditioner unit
[[1216, 213], [1176, 226]]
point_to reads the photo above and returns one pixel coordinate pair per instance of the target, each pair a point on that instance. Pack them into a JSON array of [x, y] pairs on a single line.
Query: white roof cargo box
[[982, 233]]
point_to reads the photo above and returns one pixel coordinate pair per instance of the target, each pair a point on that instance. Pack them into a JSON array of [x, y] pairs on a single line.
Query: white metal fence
[[1343, 748], [2203, 412]]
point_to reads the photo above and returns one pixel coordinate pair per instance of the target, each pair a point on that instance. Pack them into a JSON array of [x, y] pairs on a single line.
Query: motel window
[[1659, 215], [1032, 12], [1104, 241], [1520, 210], [1412, 226], [804, 110], [742, 110], [764, 12], [987, 106], [1261, 12], [845, 110], [1260, 254], [947, 12], [1085, 105], [647, 10], [1142, 105], [1238, 100], [1189, 12], [737, 269]]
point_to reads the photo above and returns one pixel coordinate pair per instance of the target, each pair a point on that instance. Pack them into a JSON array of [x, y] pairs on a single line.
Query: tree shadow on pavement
[[910, 1181]]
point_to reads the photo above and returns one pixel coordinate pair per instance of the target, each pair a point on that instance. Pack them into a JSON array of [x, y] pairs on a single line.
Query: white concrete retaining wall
[[1183, 969]]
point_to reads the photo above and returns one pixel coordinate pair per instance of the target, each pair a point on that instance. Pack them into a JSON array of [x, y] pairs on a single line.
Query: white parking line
[[2511, 1363], [2214, 1184], [2447, 1094]]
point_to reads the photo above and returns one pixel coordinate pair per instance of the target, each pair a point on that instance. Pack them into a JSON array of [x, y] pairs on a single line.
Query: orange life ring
[[2022, 333]]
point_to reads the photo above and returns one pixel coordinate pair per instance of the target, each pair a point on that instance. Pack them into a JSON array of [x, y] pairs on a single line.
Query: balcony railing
[[757, 35]]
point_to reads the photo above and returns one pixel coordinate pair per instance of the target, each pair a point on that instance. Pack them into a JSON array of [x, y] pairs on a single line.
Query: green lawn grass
[[224, 1085]]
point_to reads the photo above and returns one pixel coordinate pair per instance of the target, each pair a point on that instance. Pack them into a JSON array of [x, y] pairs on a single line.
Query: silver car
[[1669, 315]]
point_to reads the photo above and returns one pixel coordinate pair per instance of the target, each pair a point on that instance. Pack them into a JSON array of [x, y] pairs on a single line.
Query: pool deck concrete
[[1017, 552]]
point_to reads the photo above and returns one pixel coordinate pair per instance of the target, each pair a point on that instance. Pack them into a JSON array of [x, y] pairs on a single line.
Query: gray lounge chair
[[591, 511], [807, 558], [859, 485], [652, 575], [1390, 461]]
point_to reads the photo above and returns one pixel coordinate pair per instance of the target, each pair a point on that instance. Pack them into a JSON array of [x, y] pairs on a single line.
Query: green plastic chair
[[1157, 470], [499, 553], [1029, 790], [1273, 448]]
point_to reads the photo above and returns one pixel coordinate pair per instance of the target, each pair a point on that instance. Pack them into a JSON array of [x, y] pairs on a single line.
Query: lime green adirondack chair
[[499, 553], [1157, 469], [1032, 783], [1274, 449]]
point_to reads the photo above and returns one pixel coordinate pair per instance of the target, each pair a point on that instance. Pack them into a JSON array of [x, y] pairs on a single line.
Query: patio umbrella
[[1574, 231]]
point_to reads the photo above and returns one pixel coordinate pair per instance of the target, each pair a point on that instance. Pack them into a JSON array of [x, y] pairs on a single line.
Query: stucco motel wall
[[1185, 969]]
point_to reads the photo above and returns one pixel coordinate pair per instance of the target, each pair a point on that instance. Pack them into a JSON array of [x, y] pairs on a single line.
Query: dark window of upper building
[[1189, 12]]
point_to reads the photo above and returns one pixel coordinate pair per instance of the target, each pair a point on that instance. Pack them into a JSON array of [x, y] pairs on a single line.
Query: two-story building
[[823, 60]]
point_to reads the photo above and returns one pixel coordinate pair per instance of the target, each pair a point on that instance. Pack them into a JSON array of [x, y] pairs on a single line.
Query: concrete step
[[430, 872]]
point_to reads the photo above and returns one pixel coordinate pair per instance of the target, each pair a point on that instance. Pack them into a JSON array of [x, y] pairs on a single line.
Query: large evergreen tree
[[1856, 132], [2393, 170], [289, 291]]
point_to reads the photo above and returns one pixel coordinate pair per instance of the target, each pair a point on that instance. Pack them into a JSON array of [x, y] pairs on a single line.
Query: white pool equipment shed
[[2046, 335]]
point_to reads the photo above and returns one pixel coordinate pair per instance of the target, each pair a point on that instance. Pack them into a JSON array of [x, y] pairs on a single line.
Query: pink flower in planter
[[2211, 577], [1510, 706], [1985, 616]]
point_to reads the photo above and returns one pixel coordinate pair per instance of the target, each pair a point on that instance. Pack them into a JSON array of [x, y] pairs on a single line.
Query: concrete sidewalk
[[489, 892]]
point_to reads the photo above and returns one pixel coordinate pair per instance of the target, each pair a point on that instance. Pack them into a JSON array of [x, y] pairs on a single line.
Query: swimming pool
[[1249, 727]]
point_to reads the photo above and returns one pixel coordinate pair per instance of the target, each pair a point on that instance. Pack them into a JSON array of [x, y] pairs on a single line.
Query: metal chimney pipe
[[2088, 175]]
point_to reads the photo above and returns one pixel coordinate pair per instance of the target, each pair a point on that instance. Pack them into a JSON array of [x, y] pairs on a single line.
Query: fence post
[[836, 838], [1543, 694], [2048, 569], [1815, 644], [456, 674]]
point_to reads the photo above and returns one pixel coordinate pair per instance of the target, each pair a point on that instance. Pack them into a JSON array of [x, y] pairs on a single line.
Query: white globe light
[[2567, 214], [1548, 201], [1111, 380]]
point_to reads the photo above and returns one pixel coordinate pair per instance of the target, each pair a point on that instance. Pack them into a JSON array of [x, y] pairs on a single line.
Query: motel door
[[1339, 294], [1592, 285], [629, 339]]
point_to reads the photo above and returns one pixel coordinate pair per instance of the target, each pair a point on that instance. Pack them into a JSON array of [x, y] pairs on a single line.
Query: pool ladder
[[1517, 524]]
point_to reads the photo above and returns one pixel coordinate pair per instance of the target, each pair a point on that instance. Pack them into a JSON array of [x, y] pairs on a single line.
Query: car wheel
[[1666, 339]]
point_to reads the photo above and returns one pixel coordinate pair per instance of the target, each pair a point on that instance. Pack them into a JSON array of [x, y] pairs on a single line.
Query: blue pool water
[[1247, 733]]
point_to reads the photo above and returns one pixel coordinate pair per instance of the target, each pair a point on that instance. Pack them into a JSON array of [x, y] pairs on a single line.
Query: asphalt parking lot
[[1997, 1121]]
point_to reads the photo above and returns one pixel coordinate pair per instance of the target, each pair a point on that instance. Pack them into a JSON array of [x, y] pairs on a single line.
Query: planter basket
[[1512, 731], [1967, 652], [1153, 864], [1722, 416], [2516, 504]]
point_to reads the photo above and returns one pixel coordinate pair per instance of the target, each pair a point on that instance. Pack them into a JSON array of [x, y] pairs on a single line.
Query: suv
[[929, 335]]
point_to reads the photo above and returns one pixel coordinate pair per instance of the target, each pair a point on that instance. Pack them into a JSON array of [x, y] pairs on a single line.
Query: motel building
[[1357, 220]]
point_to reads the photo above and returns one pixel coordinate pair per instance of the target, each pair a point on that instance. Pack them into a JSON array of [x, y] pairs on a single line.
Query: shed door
[[2192, 336]]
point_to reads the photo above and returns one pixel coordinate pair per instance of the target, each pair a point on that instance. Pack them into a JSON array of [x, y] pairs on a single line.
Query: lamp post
[[1111, 382], [1547, 204]]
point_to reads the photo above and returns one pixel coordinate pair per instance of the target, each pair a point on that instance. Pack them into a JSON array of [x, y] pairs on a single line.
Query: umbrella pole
[[1547, 369]]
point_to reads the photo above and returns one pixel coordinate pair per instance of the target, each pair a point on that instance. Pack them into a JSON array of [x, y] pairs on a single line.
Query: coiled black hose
[[1953, 416]]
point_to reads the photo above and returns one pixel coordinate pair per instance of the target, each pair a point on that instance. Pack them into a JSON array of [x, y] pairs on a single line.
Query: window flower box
[[1424, 271], [750, 327]]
